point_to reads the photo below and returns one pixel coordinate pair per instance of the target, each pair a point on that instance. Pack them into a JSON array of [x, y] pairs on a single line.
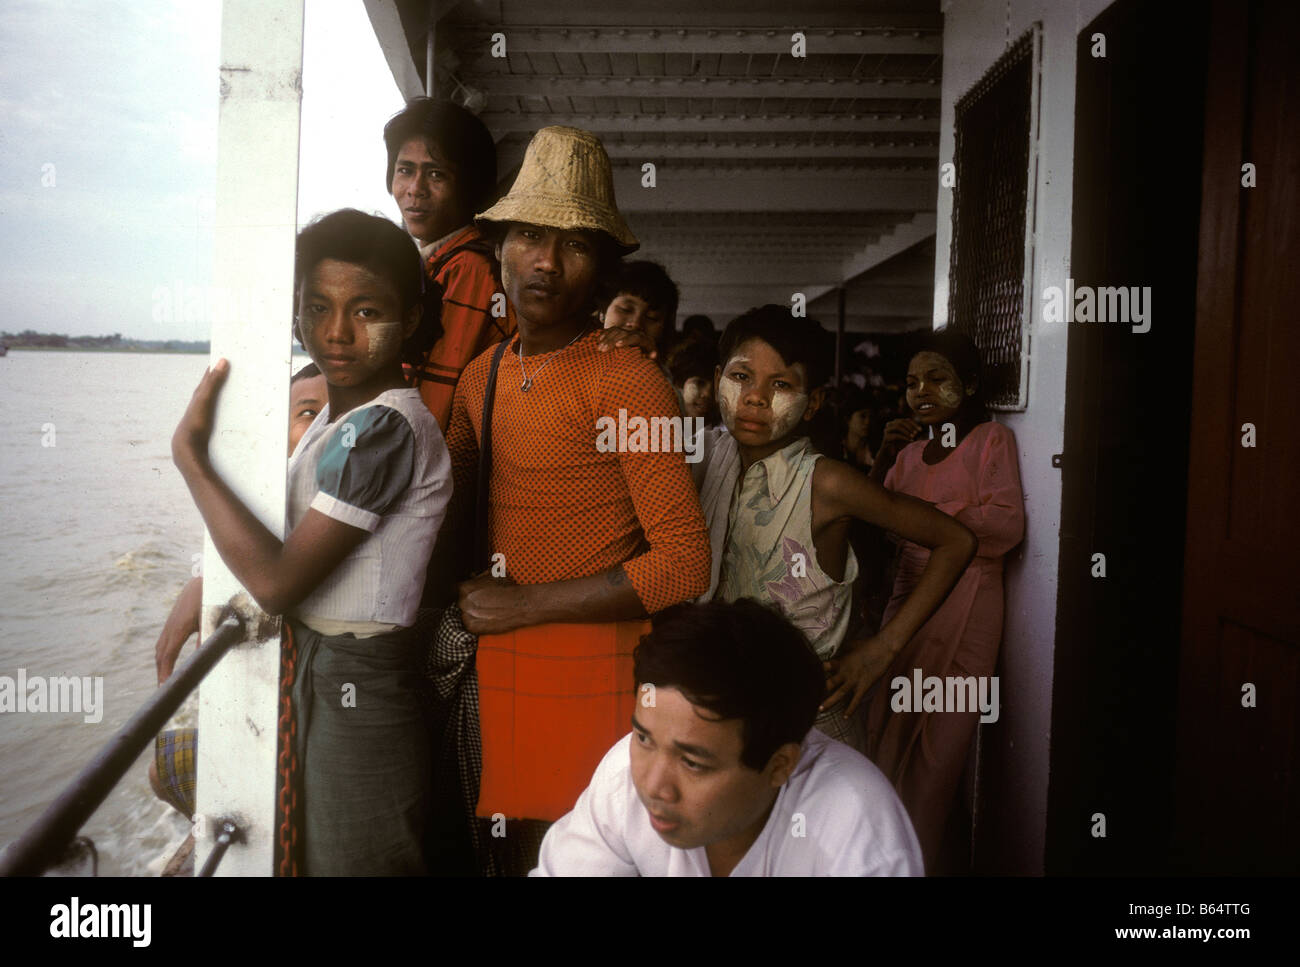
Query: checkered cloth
[[174, 754], [450, 670]]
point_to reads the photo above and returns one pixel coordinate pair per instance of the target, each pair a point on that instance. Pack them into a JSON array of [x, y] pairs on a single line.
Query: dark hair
[[700, 327], [376, 243], [649, 281], [739, 661], [797, 339], [849, 399], [960, 350], [693, 359], [461, 137], [307, 372]]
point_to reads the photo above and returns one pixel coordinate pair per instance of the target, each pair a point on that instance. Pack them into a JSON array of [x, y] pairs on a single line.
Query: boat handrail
[[43, 843]]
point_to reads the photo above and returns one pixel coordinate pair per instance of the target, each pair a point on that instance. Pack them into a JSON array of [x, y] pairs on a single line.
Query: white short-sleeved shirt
[[382, 467], [837, 815]]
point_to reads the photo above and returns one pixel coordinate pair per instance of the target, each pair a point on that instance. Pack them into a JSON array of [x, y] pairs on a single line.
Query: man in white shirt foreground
[[723, 774]]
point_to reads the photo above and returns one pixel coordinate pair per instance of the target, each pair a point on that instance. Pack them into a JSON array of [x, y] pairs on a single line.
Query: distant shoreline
[[108, 349], [297, 357]]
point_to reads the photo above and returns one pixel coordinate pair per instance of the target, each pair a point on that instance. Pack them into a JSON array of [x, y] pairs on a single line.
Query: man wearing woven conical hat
[[582, 543]]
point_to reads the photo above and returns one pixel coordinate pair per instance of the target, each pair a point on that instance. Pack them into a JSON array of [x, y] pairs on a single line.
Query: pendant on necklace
[[526, 385]]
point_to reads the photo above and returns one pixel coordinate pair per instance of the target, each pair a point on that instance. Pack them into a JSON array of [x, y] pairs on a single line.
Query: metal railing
[[45, 840]]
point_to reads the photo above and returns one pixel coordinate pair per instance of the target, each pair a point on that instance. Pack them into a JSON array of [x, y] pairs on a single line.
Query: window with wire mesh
[[988, 258]]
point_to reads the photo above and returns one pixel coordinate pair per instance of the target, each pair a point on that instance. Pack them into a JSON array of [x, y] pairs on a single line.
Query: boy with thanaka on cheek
[[778, 513], [369, 482]]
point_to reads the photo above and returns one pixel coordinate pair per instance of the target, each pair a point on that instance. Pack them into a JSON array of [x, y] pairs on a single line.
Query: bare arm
[[493, 605], [181, 624], [840, 492], [898, 434], [277, 574]]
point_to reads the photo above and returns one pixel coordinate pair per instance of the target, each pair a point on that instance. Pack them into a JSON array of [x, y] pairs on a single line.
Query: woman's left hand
[[854, 670], [190, 441]]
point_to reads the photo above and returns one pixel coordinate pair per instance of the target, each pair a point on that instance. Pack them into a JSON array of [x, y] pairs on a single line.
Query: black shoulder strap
[[481, 555]]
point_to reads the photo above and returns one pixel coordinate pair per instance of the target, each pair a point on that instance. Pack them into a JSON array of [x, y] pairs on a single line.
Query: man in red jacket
[[441, 170]]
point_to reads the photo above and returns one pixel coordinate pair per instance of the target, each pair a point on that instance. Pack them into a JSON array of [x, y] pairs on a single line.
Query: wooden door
[[1238, 804]]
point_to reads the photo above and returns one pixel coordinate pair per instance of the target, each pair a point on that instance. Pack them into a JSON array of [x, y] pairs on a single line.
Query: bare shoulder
[[834, 477], [839, 490]]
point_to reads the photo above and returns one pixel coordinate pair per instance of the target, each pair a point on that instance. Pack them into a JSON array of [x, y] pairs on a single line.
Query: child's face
[[307, 397], [627, 311], [697, 395], [425, 189], [763, 400], [934, 390], [351, 323]]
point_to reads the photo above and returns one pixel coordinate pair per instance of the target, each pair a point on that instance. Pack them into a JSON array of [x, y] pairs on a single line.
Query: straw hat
[[565, 182]]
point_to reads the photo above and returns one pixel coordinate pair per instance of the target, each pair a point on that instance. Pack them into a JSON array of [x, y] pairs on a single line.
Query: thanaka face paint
[[787, 410], [728, 401], [934, 391], [385, 338], [776, 402]]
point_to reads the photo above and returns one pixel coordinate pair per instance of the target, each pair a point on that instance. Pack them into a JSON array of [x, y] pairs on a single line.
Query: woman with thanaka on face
[[368, 485], [442, 167], [590, 541], [969, 469], [779, 513]]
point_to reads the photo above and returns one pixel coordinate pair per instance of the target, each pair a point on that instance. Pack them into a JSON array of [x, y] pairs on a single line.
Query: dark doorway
[[1138, 144]]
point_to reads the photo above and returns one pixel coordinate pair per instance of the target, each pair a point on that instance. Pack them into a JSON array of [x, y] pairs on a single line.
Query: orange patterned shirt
[[561, 508]]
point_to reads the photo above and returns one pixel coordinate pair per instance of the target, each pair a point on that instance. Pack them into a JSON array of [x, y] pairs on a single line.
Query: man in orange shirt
[[590, 541], [442, 167]]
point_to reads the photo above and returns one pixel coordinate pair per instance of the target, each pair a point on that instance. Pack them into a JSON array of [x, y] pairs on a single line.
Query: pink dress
[[923, 753]]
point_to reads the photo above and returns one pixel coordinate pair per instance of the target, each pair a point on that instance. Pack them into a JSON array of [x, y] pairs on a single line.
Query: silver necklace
[[527, 384]]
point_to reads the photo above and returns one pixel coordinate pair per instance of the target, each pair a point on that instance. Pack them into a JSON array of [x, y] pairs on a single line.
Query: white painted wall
[[976, 33], [253, 244]]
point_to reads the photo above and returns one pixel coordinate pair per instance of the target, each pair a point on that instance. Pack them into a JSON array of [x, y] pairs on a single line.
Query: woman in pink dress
[[968, 470]]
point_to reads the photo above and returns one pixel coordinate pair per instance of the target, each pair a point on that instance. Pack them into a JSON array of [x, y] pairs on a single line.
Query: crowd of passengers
[[512, 647]]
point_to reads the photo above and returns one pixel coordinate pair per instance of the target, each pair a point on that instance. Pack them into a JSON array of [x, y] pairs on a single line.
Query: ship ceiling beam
[[393, 42], [814, 17], [503, 122], [787, 150], [764, 223], [577, 85], [881, 250], [789, 190], [879, 41]]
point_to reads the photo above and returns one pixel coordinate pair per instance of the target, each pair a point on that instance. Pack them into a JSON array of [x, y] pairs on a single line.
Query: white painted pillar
[[255, 227]]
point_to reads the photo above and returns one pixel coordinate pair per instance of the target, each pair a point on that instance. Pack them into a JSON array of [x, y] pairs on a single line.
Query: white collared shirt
[[837, 815]]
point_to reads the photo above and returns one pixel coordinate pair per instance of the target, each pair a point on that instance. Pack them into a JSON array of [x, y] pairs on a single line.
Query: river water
[[97, 537]]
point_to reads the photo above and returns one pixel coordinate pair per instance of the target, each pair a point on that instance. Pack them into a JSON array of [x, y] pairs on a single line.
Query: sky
[[108, 154]]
